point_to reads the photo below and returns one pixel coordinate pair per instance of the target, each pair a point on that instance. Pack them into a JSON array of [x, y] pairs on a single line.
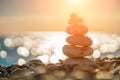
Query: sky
[[53, 15]]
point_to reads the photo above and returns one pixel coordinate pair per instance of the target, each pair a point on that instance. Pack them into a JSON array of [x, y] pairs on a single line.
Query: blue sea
[[19, 48]]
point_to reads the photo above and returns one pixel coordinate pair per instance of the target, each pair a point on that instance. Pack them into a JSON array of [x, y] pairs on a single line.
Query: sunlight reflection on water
[[38, 44]]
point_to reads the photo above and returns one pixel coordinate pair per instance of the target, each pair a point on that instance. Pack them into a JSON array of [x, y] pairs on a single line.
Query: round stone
[[77, 29], [79, 40], [77, 52], [75, 21], [79, 62]]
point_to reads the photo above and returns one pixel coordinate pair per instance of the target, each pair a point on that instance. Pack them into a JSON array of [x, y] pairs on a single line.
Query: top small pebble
[[74, 20]]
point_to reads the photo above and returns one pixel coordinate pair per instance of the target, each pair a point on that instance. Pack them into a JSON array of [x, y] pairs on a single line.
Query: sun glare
[[76, 2]]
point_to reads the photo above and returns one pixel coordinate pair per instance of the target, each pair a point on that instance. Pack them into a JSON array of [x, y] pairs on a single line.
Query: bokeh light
[[27, 43], [96, 54], [44, 48], [104, 48], [110, 56], [3, 54], [18, 41], [21, 61], [8, 42], [54, 59], [95, 40], [23, 51], [36, 52], [44, 58], [47, 46]]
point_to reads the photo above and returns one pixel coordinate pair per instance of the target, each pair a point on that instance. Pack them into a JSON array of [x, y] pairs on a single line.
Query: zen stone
[[79, 40], [77, 29], [74, 20], [79, 62], [77, 52]]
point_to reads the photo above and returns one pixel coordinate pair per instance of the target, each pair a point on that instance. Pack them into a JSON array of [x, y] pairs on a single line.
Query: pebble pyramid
[[78, 46]]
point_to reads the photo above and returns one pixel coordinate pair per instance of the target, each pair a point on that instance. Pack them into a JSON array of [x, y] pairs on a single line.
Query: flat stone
[[84, 68], [77, 52], [79, 40], [77, 29], [79, 62]]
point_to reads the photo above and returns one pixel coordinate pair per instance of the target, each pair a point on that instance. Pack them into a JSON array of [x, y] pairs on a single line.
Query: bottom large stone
[[81, 64], [77, 52]]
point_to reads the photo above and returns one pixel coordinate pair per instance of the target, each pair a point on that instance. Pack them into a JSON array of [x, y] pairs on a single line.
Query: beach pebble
[[84, 68], [80, 75], [116, 77], [68, 78], [77, 52], [106, 66], [59, 73], [104, 75], [77, 29], [49, 77], [41, 69], [79, 40]]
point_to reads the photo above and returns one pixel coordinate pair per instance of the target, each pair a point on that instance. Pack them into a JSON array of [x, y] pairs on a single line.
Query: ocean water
[[19, 48]]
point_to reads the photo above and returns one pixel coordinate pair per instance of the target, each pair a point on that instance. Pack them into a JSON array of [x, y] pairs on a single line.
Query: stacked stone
[[78, 44]]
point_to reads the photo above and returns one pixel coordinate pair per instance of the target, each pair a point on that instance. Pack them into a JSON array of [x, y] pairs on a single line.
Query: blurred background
[[46, 15], [32, 29], [19, 48]]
